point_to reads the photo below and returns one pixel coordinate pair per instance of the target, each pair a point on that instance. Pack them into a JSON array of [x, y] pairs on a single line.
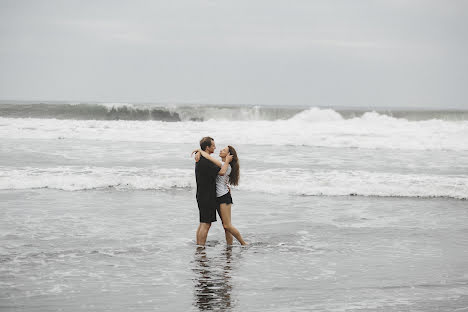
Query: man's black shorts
[[207, 215], [225, 199]]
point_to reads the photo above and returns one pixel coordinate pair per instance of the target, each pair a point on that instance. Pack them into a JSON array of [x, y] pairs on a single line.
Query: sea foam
[[314, 127], [275, 181]]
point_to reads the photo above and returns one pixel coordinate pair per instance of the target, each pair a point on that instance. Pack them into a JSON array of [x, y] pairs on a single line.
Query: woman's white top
[[222, 182]]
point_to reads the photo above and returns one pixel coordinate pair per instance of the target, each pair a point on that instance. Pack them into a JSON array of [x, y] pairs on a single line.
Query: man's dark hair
[[205, 142]]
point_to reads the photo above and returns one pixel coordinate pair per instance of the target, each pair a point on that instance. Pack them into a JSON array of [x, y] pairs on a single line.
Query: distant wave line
[[178, 113]]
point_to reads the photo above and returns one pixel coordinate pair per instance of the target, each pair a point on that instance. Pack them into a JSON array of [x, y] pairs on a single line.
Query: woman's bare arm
[[213, 160], [224, 167]]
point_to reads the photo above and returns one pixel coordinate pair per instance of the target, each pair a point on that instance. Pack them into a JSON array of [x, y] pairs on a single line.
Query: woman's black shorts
[[225, 199]]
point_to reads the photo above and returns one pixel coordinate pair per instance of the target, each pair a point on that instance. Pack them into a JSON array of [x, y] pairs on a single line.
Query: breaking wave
[[177, 113], [274, 181], [313, 127]]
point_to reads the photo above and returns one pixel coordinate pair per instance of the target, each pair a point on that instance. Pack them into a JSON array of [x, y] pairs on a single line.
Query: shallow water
[[70, 164], [134, 250]]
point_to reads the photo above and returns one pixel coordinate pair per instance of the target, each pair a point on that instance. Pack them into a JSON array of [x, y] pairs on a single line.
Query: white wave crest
[[315, 114], [362, 183], [86, 178], [111, 106], [315, 127], [275, 181], [376, 117]]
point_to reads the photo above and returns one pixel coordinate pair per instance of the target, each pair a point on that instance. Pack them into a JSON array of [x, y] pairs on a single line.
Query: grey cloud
[[346, 53]]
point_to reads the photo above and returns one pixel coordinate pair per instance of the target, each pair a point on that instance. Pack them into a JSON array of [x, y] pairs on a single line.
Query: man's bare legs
[[202, 233], [225, 212]]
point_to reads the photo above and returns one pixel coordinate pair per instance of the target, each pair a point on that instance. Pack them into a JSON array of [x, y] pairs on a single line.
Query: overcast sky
[[394, 53]]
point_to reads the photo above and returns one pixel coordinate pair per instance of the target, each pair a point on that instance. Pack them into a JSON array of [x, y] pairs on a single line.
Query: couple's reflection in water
[[212, 280]]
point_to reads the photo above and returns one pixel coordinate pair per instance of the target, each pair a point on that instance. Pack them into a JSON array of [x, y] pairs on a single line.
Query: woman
[[223, 192]]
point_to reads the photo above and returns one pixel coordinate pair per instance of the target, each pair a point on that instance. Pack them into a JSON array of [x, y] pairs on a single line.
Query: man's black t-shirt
[[205, 174]]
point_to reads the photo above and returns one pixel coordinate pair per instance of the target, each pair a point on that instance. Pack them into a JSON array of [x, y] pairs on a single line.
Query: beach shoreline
[[135, 250]]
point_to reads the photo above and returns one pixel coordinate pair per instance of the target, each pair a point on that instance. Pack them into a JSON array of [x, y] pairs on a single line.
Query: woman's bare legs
[[225, 212], [229, 236], [226, 232]]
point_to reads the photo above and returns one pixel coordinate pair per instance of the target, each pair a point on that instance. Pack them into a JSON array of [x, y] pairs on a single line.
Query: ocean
[[344, 209]]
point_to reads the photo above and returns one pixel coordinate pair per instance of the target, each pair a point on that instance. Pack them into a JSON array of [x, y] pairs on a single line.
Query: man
[[205, 174]]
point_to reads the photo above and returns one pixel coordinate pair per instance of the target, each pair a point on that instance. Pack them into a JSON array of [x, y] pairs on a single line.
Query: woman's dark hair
[[235, 174], [205, 142]]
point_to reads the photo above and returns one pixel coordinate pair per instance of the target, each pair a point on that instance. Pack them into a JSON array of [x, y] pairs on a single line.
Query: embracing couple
[[213, 191]]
